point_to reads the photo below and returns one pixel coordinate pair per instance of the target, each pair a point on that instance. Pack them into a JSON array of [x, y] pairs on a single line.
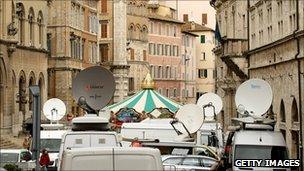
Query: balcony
[[234, 47]]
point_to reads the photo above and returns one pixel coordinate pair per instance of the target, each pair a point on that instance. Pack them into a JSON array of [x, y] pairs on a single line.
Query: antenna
[[190, 117], [211, 104], [54, 109], [253, 98], [93, 88]]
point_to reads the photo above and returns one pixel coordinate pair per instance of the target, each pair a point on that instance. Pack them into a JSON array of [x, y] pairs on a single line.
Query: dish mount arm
[[84, 105], [176, 130]]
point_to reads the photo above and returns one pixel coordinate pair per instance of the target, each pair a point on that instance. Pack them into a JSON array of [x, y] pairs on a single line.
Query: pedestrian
[[27, 142], [136, 143], [44, 160]]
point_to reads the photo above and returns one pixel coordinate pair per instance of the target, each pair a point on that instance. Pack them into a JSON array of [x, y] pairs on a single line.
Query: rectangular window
[[132, 54], [202, 73], [104, 29], [202, 38], [163, 49], [203, 56], [144, 55], [154, 49], [104, 6], [131, 84], [150, 48]]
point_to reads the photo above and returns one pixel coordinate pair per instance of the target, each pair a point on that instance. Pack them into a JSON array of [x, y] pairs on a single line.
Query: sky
[[194, 9]]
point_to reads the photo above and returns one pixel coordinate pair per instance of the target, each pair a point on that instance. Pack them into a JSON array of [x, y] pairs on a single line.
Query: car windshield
[[52, 145], [260, 152], [9, 157]]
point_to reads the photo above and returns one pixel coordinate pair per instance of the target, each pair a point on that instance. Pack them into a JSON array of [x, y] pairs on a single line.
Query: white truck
[[162, 130], [111, 159], [87, 132]]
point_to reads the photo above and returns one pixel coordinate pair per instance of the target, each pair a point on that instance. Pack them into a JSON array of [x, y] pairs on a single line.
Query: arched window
[[22, 92], [294, 111], [40, 28], [31, 82], [138, 32], [41, 87], [131, 31], [282, 111], [31, 19], [20, 12], [144, 32]]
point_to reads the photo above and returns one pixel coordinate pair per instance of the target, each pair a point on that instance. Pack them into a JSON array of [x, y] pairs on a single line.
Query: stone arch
[[32, 81], [3, 78], [138, 32], [144, 32], [294, 111], [22, 92], [20, 12], [41, 83], [31, 20], [131, 30], [40, 21], [282, 111]]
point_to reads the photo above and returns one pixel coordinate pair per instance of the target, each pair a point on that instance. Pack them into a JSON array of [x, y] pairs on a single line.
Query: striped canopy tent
[[146, 100]]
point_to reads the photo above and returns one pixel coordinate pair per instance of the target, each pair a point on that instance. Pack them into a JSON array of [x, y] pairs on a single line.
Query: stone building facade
[[230, 58], [274, 49], [164, 53], [137, 43], [205, 58], [276, 54], [23, 60], [72, 42]]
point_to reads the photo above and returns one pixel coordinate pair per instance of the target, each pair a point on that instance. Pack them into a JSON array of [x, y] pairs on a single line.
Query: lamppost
[[186, 59]]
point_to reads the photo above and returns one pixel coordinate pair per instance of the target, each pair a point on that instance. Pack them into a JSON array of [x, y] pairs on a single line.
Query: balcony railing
[[234, 47]]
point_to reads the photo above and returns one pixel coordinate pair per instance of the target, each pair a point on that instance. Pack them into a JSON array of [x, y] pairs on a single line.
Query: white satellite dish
[[209, 100], [253, 97], [191, 116], [54, 109]]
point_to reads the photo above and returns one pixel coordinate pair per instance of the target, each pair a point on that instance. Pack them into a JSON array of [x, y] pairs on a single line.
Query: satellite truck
[[204, 129], [90, 145], [254, 137]]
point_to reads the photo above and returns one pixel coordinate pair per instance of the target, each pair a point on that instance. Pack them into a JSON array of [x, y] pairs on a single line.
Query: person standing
[[27, 142], [44, 160]]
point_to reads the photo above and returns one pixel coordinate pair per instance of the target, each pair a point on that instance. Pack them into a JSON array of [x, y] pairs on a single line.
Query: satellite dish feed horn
[[211, 105], [54, 109]]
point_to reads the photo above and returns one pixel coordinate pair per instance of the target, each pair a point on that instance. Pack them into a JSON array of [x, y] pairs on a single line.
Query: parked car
[[20, 157], [188, 162]]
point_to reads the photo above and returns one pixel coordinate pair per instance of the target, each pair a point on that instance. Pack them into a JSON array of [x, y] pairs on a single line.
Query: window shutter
[[104, 6], [144, 55], [202, 38], [132, 54]]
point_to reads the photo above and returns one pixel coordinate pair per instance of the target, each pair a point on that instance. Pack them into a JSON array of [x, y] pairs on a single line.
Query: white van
[[256, 142], [111, 159], [51, 140]]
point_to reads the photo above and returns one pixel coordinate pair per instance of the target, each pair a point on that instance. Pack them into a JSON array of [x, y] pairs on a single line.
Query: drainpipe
[[299, 83], [248, 42]]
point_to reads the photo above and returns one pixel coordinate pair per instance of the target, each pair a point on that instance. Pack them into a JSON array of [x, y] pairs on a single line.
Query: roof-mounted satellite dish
[[191, 117], [54, 109], [93, 88], [253, 98], [211, 104]]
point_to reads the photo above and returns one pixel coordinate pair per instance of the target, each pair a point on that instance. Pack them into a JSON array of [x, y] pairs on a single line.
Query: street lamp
[[186, 59]]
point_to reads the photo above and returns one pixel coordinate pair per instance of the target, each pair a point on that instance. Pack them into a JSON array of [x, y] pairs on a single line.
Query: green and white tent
[[146, 100]]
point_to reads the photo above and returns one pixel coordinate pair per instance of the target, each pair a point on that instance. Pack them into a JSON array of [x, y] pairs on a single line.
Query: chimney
[[185, 18], [204, 19]]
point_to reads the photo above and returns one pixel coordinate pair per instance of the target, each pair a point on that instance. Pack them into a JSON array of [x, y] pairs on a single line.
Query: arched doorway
[[22, 94], [41, 85], [294, 111], [282, 112], [31, 82], [2, 86]]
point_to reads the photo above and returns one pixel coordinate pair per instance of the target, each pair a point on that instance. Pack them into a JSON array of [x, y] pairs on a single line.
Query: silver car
[[188, 162]]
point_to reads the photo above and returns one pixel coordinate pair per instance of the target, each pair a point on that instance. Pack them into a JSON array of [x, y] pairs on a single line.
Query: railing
[[234, 47]]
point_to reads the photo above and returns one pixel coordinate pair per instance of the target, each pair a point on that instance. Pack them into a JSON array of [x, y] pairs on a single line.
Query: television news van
[[87, 132], [254, 141], [112, 158]]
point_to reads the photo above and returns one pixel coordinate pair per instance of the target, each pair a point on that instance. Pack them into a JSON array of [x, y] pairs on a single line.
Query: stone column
[[120, 68]]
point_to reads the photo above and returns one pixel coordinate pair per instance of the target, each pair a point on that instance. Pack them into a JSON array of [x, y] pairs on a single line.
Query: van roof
[[90, 132], [52, 134], [109, 150], [250, 137]]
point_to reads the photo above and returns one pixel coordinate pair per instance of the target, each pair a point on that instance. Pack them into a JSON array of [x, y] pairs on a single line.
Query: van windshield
[[260, 152], [52, 145]]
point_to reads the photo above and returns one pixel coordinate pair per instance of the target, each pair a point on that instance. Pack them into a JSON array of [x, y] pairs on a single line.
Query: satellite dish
[[253, 97], [54, 109], [209, 100], [191, 116], [93, 87]]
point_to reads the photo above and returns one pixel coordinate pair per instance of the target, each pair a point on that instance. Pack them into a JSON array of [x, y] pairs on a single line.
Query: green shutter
[[202, 38]]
